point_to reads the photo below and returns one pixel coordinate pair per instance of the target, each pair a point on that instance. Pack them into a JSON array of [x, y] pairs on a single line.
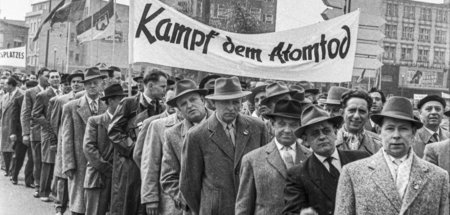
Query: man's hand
[[152, 208], [70, 173], [308, 211], [26, 140]]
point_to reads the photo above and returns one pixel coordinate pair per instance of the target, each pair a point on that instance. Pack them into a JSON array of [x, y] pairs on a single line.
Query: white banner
[[322, 52], [15, 57]]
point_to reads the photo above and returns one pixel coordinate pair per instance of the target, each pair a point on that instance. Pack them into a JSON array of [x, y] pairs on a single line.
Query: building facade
[[416, 48]]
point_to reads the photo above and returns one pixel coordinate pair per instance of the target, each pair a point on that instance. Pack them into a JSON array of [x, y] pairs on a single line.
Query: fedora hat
[[260, 87], [93, 73], [184, 87], [207, 79], [299, 95], [430, 98], [335, 94], [308, 86], [397, 107], [113, 90], [276, 89], [313, 114], [287, 109], [227, 88], [76, 73]]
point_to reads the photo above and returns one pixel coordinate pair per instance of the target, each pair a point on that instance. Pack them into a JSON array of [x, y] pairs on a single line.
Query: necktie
[[94, 109], [401, 179], [230, 134], [287, 157], [434, 138], [58, 92], [333, 171]]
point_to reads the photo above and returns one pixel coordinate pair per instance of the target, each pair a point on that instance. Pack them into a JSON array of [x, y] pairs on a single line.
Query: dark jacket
[[29, 126], [311, 185], [10, 121]]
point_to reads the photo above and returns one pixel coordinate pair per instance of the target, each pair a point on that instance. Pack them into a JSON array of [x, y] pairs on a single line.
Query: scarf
[[353, 141]]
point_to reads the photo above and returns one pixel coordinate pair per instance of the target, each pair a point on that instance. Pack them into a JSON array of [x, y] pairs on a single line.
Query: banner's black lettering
[[308, 51], [239, 50], [178, 32], [276, 52], [346, 40], [144, 20], [333, 53], [194, 41], [323, 44], [160, 25], [210, 35], [228, 46]]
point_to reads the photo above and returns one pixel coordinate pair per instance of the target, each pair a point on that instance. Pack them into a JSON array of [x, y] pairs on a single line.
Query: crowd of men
[[181, 147]]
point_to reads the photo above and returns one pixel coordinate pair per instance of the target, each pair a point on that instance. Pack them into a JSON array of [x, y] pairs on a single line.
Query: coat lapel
[[219, 137], [321, 177], [102, 107], [301, 153], [417, 180], [242, 138], [83, 109], [274, 158], [382, 177]]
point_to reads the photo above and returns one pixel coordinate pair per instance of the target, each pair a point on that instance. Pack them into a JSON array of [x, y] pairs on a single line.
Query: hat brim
[[313, 91], [336, 120], [104, 98], [332, 102], [267, 100], [173, 102], [229, 96], [93, 77], [378, 119], [284, 115], [137, 78]]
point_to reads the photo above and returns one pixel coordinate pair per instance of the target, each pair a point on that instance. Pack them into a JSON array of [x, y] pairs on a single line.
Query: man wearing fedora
[[394, 180], [431, 109], [41, 115], [333, 102], [310, 91], [258, 94], [99, 154], [156, 200], [263, 171], [190, 102], [208, 83], [352, 135], [56, 105], [75, 116], [438, 153], [123, 131], [214, 149], [31, 131], [311, 186]]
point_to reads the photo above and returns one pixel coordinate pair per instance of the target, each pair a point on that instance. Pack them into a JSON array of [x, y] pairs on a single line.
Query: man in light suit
[[438, 153], [191, 104], [311, 186], [41, 115], [263, 171], [75, 117], [394, 180], [431, 109], [99, 153], [31, 131], [214, 149]]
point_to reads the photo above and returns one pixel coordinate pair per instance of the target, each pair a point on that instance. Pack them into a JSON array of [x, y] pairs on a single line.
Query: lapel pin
[[245, 132], [416, 186]]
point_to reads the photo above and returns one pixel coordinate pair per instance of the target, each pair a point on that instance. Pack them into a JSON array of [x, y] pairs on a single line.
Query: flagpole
[[114, 32], [92, 33], [48, 36], [130, 45], [68, 48]]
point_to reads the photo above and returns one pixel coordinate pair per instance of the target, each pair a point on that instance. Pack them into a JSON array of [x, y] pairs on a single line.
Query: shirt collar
[[408, 156], [54, 90], [109, 114], [40, 87], [280, 146], [432, 132], [147, 99], [321, 158], [13, 92], [225, 124], [91, 100]]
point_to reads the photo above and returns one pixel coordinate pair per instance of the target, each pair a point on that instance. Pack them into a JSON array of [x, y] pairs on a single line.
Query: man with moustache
[[190, 102], [431, 109], [75, 117], [214, 149], [394, 180]]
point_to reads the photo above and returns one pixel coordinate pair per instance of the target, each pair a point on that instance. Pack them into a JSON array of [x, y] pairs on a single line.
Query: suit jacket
[[439, 154], [213, 186], [10, 121], [367, 187], [375, 128], [98, 151], [371, 143], [171, 160], [29, 126], [75, 116], [423, 136], [263, 178], [41, 115], [311, 184]]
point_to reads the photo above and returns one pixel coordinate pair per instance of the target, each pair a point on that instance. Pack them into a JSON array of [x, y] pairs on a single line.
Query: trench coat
[[123, 131], [75, 117], [210, 163], [263, 178], [10, 110], [41, 115], [371, 143], [423, 137], [367, 187], [29, 126]]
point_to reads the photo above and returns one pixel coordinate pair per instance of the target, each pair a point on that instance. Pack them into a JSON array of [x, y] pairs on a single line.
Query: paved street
[[19, 200]]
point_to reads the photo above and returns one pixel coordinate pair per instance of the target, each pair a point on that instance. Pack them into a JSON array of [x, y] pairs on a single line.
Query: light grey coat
[[423, 137], [263, 177], [367, 187], [438, 154]]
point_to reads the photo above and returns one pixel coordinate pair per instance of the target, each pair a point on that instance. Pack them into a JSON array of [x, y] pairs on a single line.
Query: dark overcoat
[[29, 126], [10, 111]]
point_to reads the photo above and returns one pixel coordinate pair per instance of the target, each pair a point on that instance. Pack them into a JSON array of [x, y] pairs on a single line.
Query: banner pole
[[114, 32], [68, 48], [130, 45], [92, 33]]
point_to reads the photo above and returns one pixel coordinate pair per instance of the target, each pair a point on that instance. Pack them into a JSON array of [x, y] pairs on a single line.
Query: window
[[222, 11], [425, 14], [391, 31], [441, 16], [70, 54], [422, 54], [256, 12], [72, 37], [408, 32], [392, 9], [77, 58], [389, 51], [441, 36], [439, 55], [409, 12], [406, 52], [424, 34], [268, 18]]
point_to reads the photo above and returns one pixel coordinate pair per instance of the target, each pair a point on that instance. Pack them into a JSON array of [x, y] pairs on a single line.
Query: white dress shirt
[[400, 173], [291, 150], [336, 160]]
